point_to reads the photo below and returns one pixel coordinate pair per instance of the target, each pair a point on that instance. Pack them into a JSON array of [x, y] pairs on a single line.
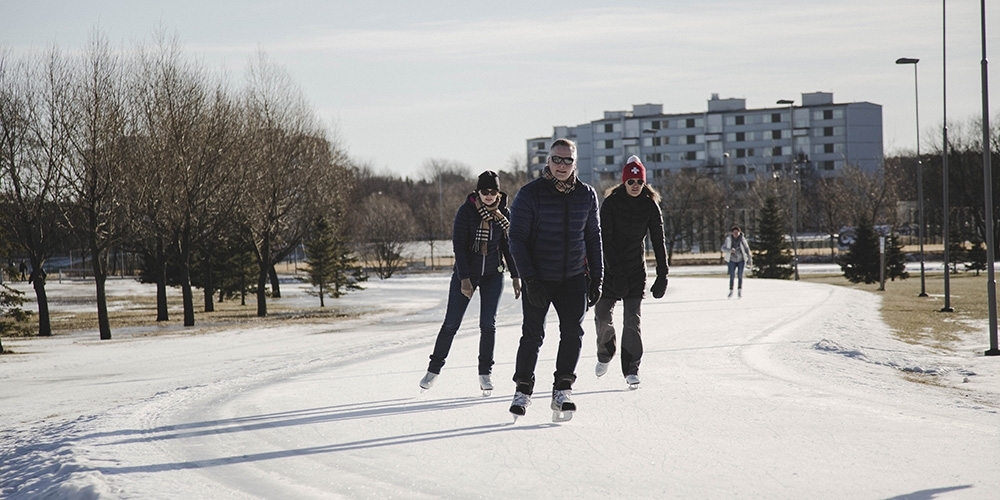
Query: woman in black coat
[[630, 211]]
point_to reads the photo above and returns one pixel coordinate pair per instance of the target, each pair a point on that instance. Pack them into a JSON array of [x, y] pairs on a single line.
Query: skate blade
[[562, 416], [487, 393], [633, 387]]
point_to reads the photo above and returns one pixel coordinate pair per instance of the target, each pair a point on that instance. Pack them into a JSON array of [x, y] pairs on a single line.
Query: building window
[[538, 146], [827, 114], [609, 128], [827, 131], [741, 136], [741, 169], [776, 151], [741, 153], [692, 139], [691, 155], [654, 158], [775, 134], [775, 117], [828, 165], [740, 120], [828, 148], [609, 144], [689, 123]]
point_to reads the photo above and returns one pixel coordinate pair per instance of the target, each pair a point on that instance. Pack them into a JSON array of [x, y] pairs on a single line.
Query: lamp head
[[907, 60], [785, 101]]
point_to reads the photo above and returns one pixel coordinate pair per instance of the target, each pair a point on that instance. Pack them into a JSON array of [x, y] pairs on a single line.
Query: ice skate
[[486, 384], [520, 404], [739, 293], [600, 369], [428, 381], [730, 294], [562, 406], [632, 381]]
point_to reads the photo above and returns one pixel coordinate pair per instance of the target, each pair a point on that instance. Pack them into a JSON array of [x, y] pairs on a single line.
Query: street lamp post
[[795, 186], [944, 164], [920, 173]]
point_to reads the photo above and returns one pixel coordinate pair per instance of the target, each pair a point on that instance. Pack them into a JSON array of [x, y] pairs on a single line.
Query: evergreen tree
[[956, 246], [976, 255], [861, 262], [772, 253], [331, 263], [895, 259]]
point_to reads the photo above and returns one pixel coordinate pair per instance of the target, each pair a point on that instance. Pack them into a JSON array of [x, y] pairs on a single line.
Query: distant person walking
[[630, 211], [736, 252], [555, 238], [23, 269], [480, 241]]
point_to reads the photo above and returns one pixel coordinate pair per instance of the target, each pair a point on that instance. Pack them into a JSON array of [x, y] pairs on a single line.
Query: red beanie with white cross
[[633, 169]]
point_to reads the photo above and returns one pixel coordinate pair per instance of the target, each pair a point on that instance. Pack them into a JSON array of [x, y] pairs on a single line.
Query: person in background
[[630, 211], [555, 238], [481, 248], [736, 252]]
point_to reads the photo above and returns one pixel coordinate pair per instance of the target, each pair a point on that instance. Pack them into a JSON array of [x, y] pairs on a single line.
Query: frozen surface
[[798, 390]]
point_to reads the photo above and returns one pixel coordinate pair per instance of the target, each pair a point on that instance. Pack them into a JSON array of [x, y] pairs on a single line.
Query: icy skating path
[[793, 391]]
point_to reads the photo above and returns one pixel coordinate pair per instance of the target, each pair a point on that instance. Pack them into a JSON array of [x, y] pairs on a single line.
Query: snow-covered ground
[[798, 390]]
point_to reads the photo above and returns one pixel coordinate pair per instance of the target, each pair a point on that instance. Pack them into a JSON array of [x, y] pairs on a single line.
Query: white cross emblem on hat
[[635, 170]]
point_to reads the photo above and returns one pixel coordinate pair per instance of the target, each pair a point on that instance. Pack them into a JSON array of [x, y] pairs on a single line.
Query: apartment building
[[814, 134]]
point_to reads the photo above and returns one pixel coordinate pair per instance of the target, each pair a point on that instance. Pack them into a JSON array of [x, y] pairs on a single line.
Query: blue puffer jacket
[[469, 263], [556, 236]]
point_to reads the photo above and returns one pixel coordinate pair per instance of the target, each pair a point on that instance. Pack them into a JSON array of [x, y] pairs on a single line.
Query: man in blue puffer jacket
[[555, 239]]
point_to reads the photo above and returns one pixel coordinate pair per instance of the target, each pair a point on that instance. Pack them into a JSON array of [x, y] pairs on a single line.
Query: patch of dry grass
[[919, 320]]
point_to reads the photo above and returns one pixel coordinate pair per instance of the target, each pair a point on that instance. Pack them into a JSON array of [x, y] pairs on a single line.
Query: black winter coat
[[469, 263], [555, 236], [625, 221]]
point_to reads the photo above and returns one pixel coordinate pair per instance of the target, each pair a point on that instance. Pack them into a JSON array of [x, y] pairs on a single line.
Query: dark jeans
[[569, 298], [631, 354], [489, 288], [736, 269]]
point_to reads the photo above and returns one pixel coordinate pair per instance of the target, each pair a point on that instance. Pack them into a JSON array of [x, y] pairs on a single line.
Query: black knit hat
[[488, 180]]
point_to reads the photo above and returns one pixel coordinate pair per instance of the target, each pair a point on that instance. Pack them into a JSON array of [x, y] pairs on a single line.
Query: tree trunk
[[209, 285], [38, 283], [275, 286], [100, 277], [188, 296], [161, 282], [263, 264]]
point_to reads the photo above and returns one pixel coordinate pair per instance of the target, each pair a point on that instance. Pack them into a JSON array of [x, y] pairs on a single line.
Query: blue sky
[[403, 82]]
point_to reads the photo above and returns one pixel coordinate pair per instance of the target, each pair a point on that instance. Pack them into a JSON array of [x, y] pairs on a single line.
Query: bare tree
[[32, 99], [192, 149], [97, 131], [386, 224], [288, 155]]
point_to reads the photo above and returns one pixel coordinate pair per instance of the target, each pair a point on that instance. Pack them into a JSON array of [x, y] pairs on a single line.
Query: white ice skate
[[632, 381], [562, 405], [486, 384], [428, 381]]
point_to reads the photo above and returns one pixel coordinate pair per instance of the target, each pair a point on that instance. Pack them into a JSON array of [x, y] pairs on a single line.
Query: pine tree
[[976, 255], [773, 254], [861, 262], [895, 259], [331, 263]]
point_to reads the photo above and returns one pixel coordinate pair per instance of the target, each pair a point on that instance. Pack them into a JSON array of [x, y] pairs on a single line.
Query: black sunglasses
[[488, 192], [635, 181], [562, 159]]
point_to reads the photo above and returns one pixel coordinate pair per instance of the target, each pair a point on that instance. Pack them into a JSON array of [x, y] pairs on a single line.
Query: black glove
[[594, 294], [617, 287], [535, 293], [659, 286]]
